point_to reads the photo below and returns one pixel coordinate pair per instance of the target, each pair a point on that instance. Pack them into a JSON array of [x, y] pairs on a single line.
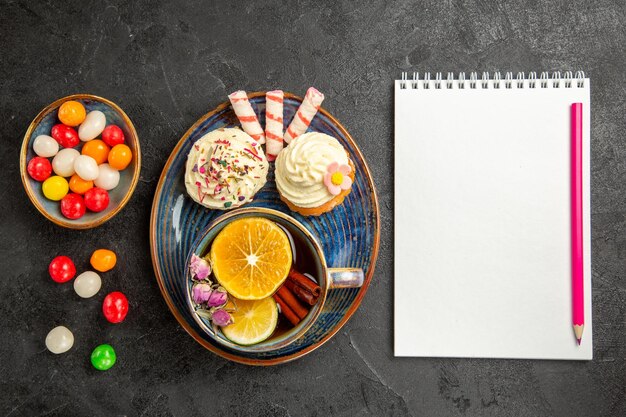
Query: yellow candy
[[55, 188]]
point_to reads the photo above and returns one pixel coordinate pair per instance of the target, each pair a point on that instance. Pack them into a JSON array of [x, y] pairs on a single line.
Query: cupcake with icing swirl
[[314, 174], [225, 169]]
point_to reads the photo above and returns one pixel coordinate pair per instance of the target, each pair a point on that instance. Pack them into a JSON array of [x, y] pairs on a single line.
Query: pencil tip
[[578, 340], [578, 331]]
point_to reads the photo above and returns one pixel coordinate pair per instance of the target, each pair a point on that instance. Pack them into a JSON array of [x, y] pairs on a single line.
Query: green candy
[[103, 357]]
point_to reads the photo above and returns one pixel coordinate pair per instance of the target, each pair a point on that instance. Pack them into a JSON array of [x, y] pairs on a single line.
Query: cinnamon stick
[[302, 286], [287, 311], [301, 293], [291, 300]]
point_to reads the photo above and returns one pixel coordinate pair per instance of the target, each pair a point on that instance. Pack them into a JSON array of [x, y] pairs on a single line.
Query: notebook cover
[[482, 222]]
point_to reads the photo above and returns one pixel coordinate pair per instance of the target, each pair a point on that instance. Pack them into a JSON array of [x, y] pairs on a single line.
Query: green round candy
[[103, 357]]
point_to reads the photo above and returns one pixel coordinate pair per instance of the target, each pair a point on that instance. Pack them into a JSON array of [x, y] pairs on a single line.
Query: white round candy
[[108, 177], [59, 340], [92, 126], [45, 146], [63, 162], [86, 167], [87, 284]]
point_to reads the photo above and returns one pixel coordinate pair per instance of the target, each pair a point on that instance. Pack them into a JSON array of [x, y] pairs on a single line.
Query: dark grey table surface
[[167, 63]]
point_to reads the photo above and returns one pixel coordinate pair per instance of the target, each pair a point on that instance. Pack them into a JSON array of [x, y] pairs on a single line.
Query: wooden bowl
[[119, 196]]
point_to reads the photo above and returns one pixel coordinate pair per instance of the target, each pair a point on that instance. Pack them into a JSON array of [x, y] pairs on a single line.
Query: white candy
[[86, 167], [63, 162], [59, 340], [45, 146], [108, 177], [92, 126], [87, 284]]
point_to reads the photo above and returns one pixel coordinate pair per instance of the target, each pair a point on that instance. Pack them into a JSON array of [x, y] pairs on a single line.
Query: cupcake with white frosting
[[225, 169], [314, 174]]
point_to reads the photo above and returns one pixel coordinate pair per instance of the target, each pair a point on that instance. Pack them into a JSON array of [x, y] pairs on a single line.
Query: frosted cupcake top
[[225, 169], [302, 166]]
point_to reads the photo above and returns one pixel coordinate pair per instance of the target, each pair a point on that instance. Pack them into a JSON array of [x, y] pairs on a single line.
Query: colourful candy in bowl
[[80, 161]]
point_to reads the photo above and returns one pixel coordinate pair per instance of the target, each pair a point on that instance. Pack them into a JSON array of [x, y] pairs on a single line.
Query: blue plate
[[119, 196], [349, 234]]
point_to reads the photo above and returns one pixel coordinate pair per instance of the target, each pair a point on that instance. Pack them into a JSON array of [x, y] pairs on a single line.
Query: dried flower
[[221, 318], [199, 268], [201, 293], [217, 298]]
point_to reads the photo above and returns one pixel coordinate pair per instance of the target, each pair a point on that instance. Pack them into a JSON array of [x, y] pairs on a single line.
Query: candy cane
[[247, 117], [306, 112], [273, 123]]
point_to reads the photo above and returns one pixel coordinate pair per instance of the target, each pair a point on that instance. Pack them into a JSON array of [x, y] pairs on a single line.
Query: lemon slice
[[251, 258], [254, 321]]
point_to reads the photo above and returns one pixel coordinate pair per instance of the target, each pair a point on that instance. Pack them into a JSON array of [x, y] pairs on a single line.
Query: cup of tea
[[307, 259]]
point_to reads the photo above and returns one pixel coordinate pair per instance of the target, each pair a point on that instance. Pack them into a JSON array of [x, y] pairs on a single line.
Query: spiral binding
[[568, 80]]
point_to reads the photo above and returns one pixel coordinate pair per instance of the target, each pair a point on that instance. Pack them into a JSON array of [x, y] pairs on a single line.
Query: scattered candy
[[103, 260], [115, 307], [45, 146], [112, 135], [96, 199], [61, 269], [103, 357], [65, 135], [86, 167], [79, 185], [120, 156], [92, 126], [63, 162], [59, 340], [108, 178], [87, 284], [72, 113], [39, 168], [97, 149], [73, 206], [55, 188]]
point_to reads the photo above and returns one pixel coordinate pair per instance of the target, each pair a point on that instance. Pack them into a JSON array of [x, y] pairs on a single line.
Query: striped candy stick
[[306, 112], [246, 115], [274, 123]]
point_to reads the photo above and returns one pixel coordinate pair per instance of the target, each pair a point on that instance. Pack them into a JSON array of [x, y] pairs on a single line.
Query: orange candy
[[120, 156], [79, 185], [72, 113], [103, 260], [97, 149]]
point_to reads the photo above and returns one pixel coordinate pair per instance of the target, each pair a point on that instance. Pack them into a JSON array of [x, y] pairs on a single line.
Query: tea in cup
[[258, 280]]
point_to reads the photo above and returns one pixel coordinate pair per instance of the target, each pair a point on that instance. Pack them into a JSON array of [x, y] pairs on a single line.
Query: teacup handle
[[345, 278]]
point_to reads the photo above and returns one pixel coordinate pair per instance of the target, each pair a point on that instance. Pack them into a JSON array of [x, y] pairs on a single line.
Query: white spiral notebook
[[482, 216]]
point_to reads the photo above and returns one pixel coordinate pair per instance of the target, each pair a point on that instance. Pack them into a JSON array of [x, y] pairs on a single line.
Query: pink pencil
[[578, 306]]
